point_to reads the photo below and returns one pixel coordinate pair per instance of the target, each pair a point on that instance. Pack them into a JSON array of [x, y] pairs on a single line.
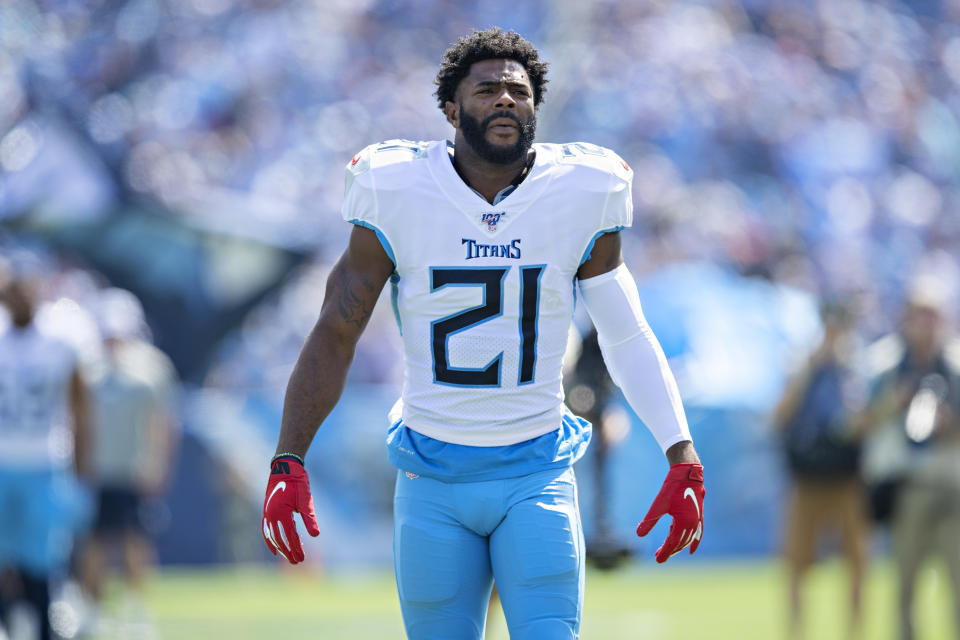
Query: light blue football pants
[[37, 515], [451, 540]]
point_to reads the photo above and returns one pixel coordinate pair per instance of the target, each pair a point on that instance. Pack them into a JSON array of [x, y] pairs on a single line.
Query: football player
[[487, 243], [44, 428]]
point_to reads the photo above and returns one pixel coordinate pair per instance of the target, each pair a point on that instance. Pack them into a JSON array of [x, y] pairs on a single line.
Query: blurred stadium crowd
[[814, 143], [809, 145], [191, 151]]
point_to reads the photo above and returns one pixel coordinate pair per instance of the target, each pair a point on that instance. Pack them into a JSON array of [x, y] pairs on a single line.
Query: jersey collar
[[509, 203], [507, 190]]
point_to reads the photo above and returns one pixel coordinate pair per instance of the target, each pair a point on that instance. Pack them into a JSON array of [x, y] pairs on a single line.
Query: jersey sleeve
[[359, 194], [618, 210], [381, 169], [601, 172], [360, 198]]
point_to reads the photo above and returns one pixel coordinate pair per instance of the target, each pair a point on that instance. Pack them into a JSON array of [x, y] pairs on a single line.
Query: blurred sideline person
[[485, 241], [815, 417], [588, 394], [917, 395], [44, 437], [132, 442]]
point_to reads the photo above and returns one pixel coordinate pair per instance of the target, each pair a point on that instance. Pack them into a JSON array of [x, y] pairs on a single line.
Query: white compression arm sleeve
[[633, 356]]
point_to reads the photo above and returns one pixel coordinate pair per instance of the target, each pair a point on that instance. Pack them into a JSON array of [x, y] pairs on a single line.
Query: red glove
[[682, 497], [288, 491]]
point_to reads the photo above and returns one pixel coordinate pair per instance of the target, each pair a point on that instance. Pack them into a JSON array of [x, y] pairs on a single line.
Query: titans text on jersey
[[481, 250]]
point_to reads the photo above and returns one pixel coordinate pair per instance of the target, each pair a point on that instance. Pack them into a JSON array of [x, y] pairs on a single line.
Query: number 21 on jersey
[[490, 280]]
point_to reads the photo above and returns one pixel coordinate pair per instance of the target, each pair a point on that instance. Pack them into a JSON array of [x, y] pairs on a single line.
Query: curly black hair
[[486, 45]]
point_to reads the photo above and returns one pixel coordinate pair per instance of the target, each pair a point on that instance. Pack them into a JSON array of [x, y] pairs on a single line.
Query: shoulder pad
[[384, 154], [595, 157]]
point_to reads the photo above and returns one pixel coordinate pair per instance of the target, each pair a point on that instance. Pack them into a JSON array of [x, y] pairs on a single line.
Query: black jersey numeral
[[491, 281]]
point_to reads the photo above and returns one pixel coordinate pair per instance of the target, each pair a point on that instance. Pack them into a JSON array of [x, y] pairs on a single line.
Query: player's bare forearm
[[80, 408], [321, 370], [682, 452], [314, 388]]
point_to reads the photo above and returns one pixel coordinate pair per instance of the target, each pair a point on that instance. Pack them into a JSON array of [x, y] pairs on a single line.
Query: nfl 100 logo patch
[[492, 219]]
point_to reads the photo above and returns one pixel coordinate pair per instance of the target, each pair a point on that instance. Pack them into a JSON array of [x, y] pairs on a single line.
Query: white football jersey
[[35, 373], [484, 294]]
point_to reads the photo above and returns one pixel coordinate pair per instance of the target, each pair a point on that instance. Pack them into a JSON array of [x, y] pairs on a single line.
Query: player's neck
[[487, 178]]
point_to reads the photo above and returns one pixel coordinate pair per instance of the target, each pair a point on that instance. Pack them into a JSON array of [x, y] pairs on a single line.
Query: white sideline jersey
[[35, 373], [484, 294]]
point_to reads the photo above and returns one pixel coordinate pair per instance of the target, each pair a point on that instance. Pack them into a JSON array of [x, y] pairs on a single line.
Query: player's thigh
[[13, 497], [442, 568], [40, 537], [537, 554]]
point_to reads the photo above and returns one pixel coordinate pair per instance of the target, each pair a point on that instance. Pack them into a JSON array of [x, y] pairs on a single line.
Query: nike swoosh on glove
[[288, 491], [681, 496]]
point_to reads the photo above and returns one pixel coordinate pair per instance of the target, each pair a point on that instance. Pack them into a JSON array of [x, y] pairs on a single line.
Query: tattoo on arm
[[355, 299]]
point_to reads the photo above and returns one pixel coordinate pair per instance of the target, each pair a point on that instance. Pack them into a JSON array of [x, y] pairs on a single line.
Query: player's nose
[[505, 100]]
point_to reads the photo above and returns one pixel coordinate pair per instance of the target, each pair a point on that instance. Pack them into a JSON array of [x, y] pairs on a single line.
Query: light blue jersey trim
[[416, 453], [380, 236], [395, 299], [586, 254]]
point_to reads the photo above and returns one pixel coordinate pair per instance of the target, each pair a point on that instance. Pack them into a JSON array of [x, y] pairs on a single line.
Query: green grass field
[[684, 601]]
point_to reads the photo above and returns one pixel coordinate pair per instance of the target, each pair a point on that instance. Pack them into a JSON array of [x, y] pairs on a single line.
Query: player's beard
[[475, 133]]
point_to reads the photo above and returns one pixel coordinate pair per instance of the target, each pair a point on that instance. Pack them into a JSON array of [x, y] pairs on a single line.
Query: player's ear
[[452, 111]]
